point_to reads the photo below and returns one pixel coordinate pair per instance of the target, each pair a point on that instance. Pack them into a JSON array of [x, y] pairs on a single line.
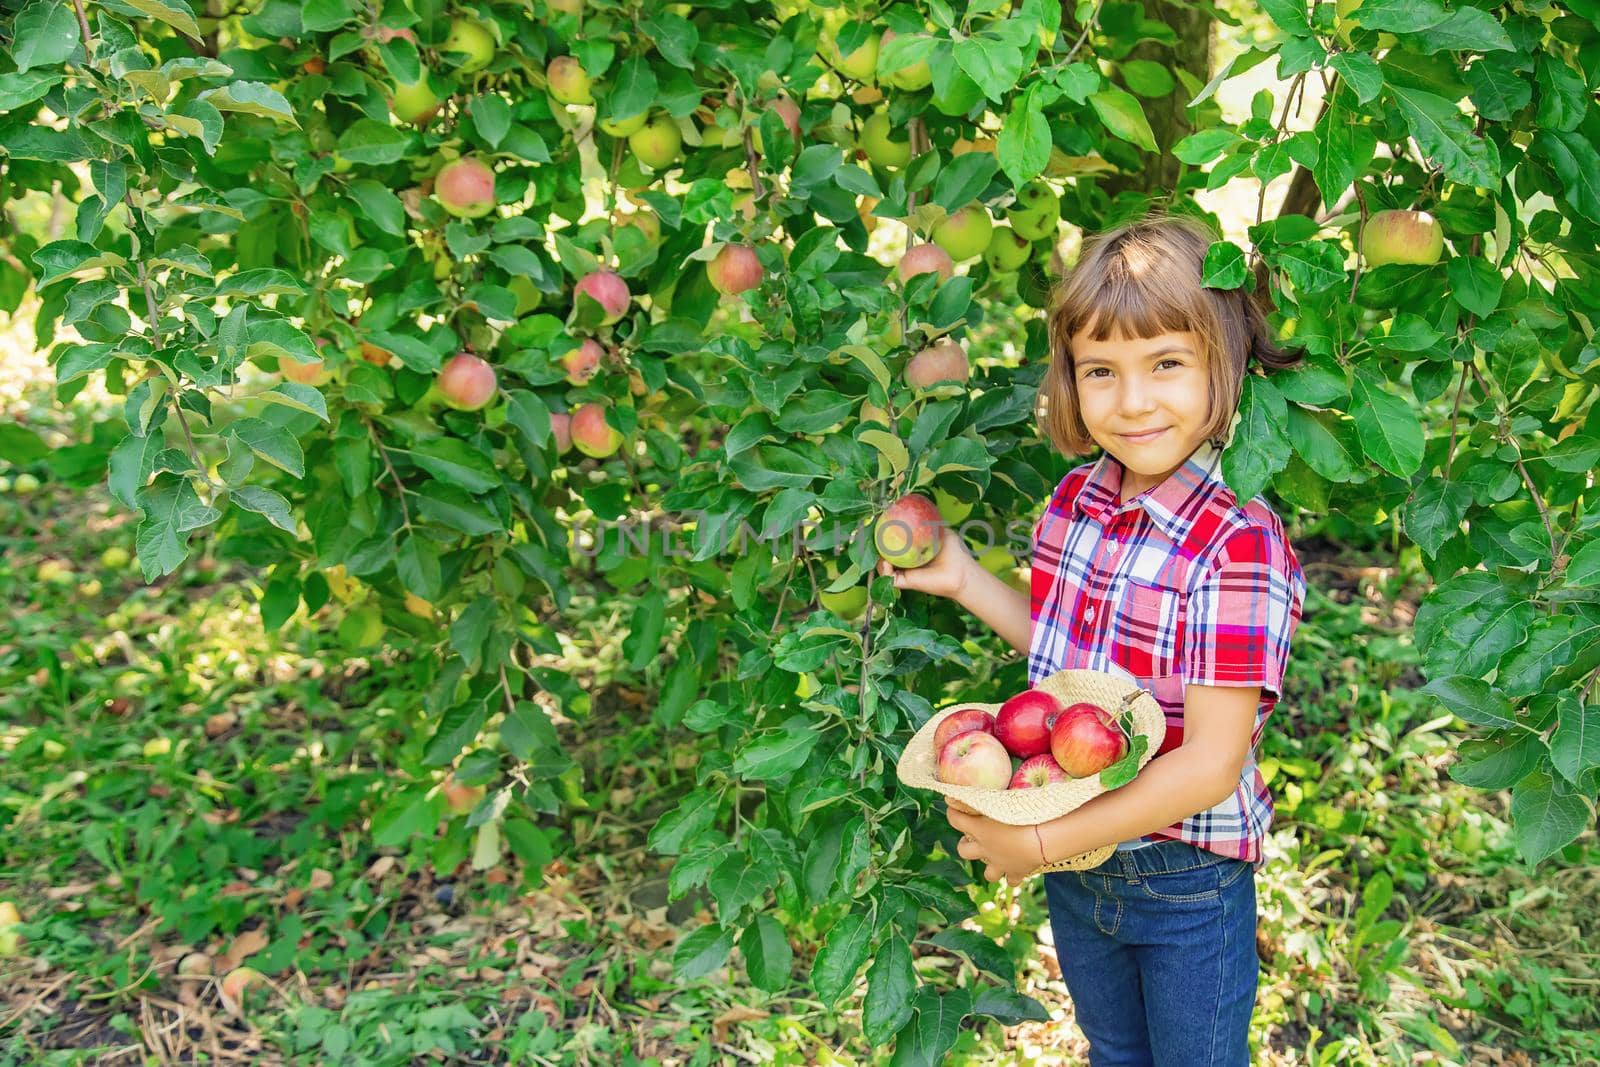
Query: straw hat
[[1028, 807]]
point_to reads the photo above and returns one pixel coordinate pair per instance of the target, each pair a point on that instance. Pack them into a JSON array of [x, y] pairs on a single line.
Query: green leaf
[[1544, 817], [1386, 425], [172, 509], [633, 90], [928, 1040], [1224, 266], [272, 443], [964, 179], [266, 502], [701, 952], [45, 34], [891, 983], [527, 729], [996, 66], [1556, 646], [417, 565], [979, 950], [1434, 512], [1468, 623], [682, 823], [739, 881], [841, 956], [455, 508], [1260, 445], [775, 753], [768, 959], [1497, 762], [1445, 136], [1009, 1007], [1122, 114], [60, 259], [252, 98], [379, 204], [1575, 745], [1024, 144], [23, 87], [300, 397], [372, 142], [174, 14], [20, 446], [471, 629], [1584, 567], [491, 116], [452, 460], [1473, 699]]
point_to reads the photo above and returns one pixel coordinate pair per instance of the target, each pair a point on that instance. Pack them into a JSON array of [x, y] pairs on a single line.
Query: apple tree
[[444, 318]]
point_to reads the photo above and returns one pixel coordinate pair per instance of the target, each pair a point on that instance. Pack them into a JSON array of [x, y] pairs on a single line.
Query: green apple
[[361, 627], [849, 604], [955, 511], [625, 127], [415, 102], [961, 94], [1007, 250], [471, 40], [1036, 211], [911, 78], [965, 234], [568, 82], [1402, 236], [880, 147], [997, 561], [862, 64], [656, 144]]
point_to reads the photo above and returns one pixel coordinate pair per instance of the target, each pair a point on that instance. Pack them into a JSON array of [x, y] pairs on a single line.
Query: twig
[[1450, 453], [383, 453], [83, 28], [1527, 480]]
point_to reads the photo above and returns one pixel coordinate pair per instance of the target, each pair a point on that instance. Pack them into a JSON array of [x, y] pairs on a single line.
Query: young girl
[[1145, 560]]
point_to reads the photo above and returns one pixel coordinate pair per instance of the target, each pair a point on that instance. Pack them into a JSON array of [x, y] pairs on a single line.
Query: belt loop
[[1129, 868]]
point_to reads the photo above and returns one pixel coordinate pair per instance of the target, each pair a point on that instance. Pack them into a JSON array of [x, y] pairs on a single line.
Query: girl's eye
[[1174, 362], [1094, 371]]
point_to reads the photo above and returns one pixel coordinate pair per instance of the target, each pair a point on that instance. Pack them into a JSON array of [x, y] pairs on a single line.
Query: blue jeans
[[1158, 949]]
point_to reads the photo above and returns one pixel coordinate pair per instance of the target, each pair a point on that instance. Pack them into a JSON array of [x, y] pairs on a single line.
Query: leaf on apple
[[1121, 772]]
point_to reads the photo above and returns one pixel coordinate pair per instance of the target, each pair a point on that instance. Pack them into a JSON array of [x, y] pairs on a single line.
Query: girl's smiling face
[[1146, 401]]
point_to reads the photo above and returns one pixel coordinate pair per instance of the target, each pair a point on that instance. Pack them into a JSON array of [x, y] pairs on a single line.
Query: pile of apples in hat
[[1056, 742]]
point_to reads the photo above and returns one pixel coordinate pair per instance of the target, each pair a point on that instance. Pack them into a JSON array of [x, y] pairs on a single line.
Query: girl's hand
[[1010, 852], [945, 575]]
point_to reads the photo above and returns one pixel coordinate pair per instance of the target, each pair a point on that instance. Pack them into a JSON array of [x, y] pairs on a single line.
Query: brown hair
[[1142, 280]]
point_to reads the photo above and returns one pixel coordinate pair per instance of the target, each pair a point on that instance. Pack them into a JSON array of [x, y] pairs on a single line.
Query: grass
[[182, 793]]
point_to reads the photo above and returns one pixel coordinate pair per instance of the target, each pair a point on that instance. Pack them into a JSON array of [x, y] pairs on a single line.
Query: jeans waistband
[[1167, 856]]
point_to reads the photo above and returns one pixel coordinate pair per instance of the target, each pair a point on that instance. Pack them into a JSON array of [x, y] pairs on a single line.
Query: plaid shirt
[[1181, 584]]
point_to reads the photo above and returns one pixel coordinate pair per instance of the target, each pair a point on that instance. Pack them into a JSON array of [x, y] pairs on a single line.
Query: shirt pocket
[[1148, 630]]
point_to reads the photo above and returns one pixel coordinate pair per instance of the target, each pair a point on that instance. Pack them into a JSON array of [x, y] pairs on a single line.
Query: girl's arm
[[955, 574], [1197, 775]]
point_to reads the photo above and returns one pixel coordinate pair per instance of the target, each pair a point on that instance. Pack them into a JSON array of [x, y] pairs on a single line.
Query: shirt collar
[[1169, 505]]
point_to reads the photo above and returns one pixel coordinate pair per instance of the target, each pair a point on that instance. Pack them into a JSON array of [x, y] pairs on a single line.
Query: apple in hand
[[960, 722], [974, 758], [1037, 771], [1086, 740], [908, 532], [1024, 722]]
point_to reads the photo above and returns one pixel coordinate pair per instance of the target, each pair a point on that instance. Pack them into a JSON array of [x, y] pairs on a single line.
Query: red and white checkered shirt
[[1182, 584]]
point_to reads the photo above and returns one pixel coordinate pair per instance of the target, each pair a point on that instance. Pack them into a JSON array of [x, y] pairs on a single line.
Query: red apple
[[735, 269], [907, 534], [1024, 722], [467, 382], [591, 433], [974, 758], [960, 722], [608, 290], [1037, 771], [465, 188], [938, 364], [1088, 742], [921, 259], [583, 362], [561, 426]]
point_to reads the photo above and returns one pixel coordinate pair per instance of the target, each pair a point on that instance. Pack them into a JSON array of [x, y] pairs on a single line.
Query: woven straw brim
[[1029, 807]]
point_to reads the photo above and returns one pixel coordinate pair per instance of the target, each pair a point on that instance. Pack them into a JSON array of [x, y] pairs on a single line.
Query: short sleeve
[[1045, 548], [1243, 613]]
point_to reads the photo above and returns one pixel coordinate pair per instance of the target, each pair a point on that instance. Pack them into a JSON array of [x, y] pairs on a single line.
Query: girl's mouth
[[1143, 438]]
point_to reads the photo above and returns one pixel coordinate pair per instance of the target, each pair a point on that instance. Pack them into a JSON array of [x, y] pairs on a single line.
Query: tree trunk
[[1192, 53]]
